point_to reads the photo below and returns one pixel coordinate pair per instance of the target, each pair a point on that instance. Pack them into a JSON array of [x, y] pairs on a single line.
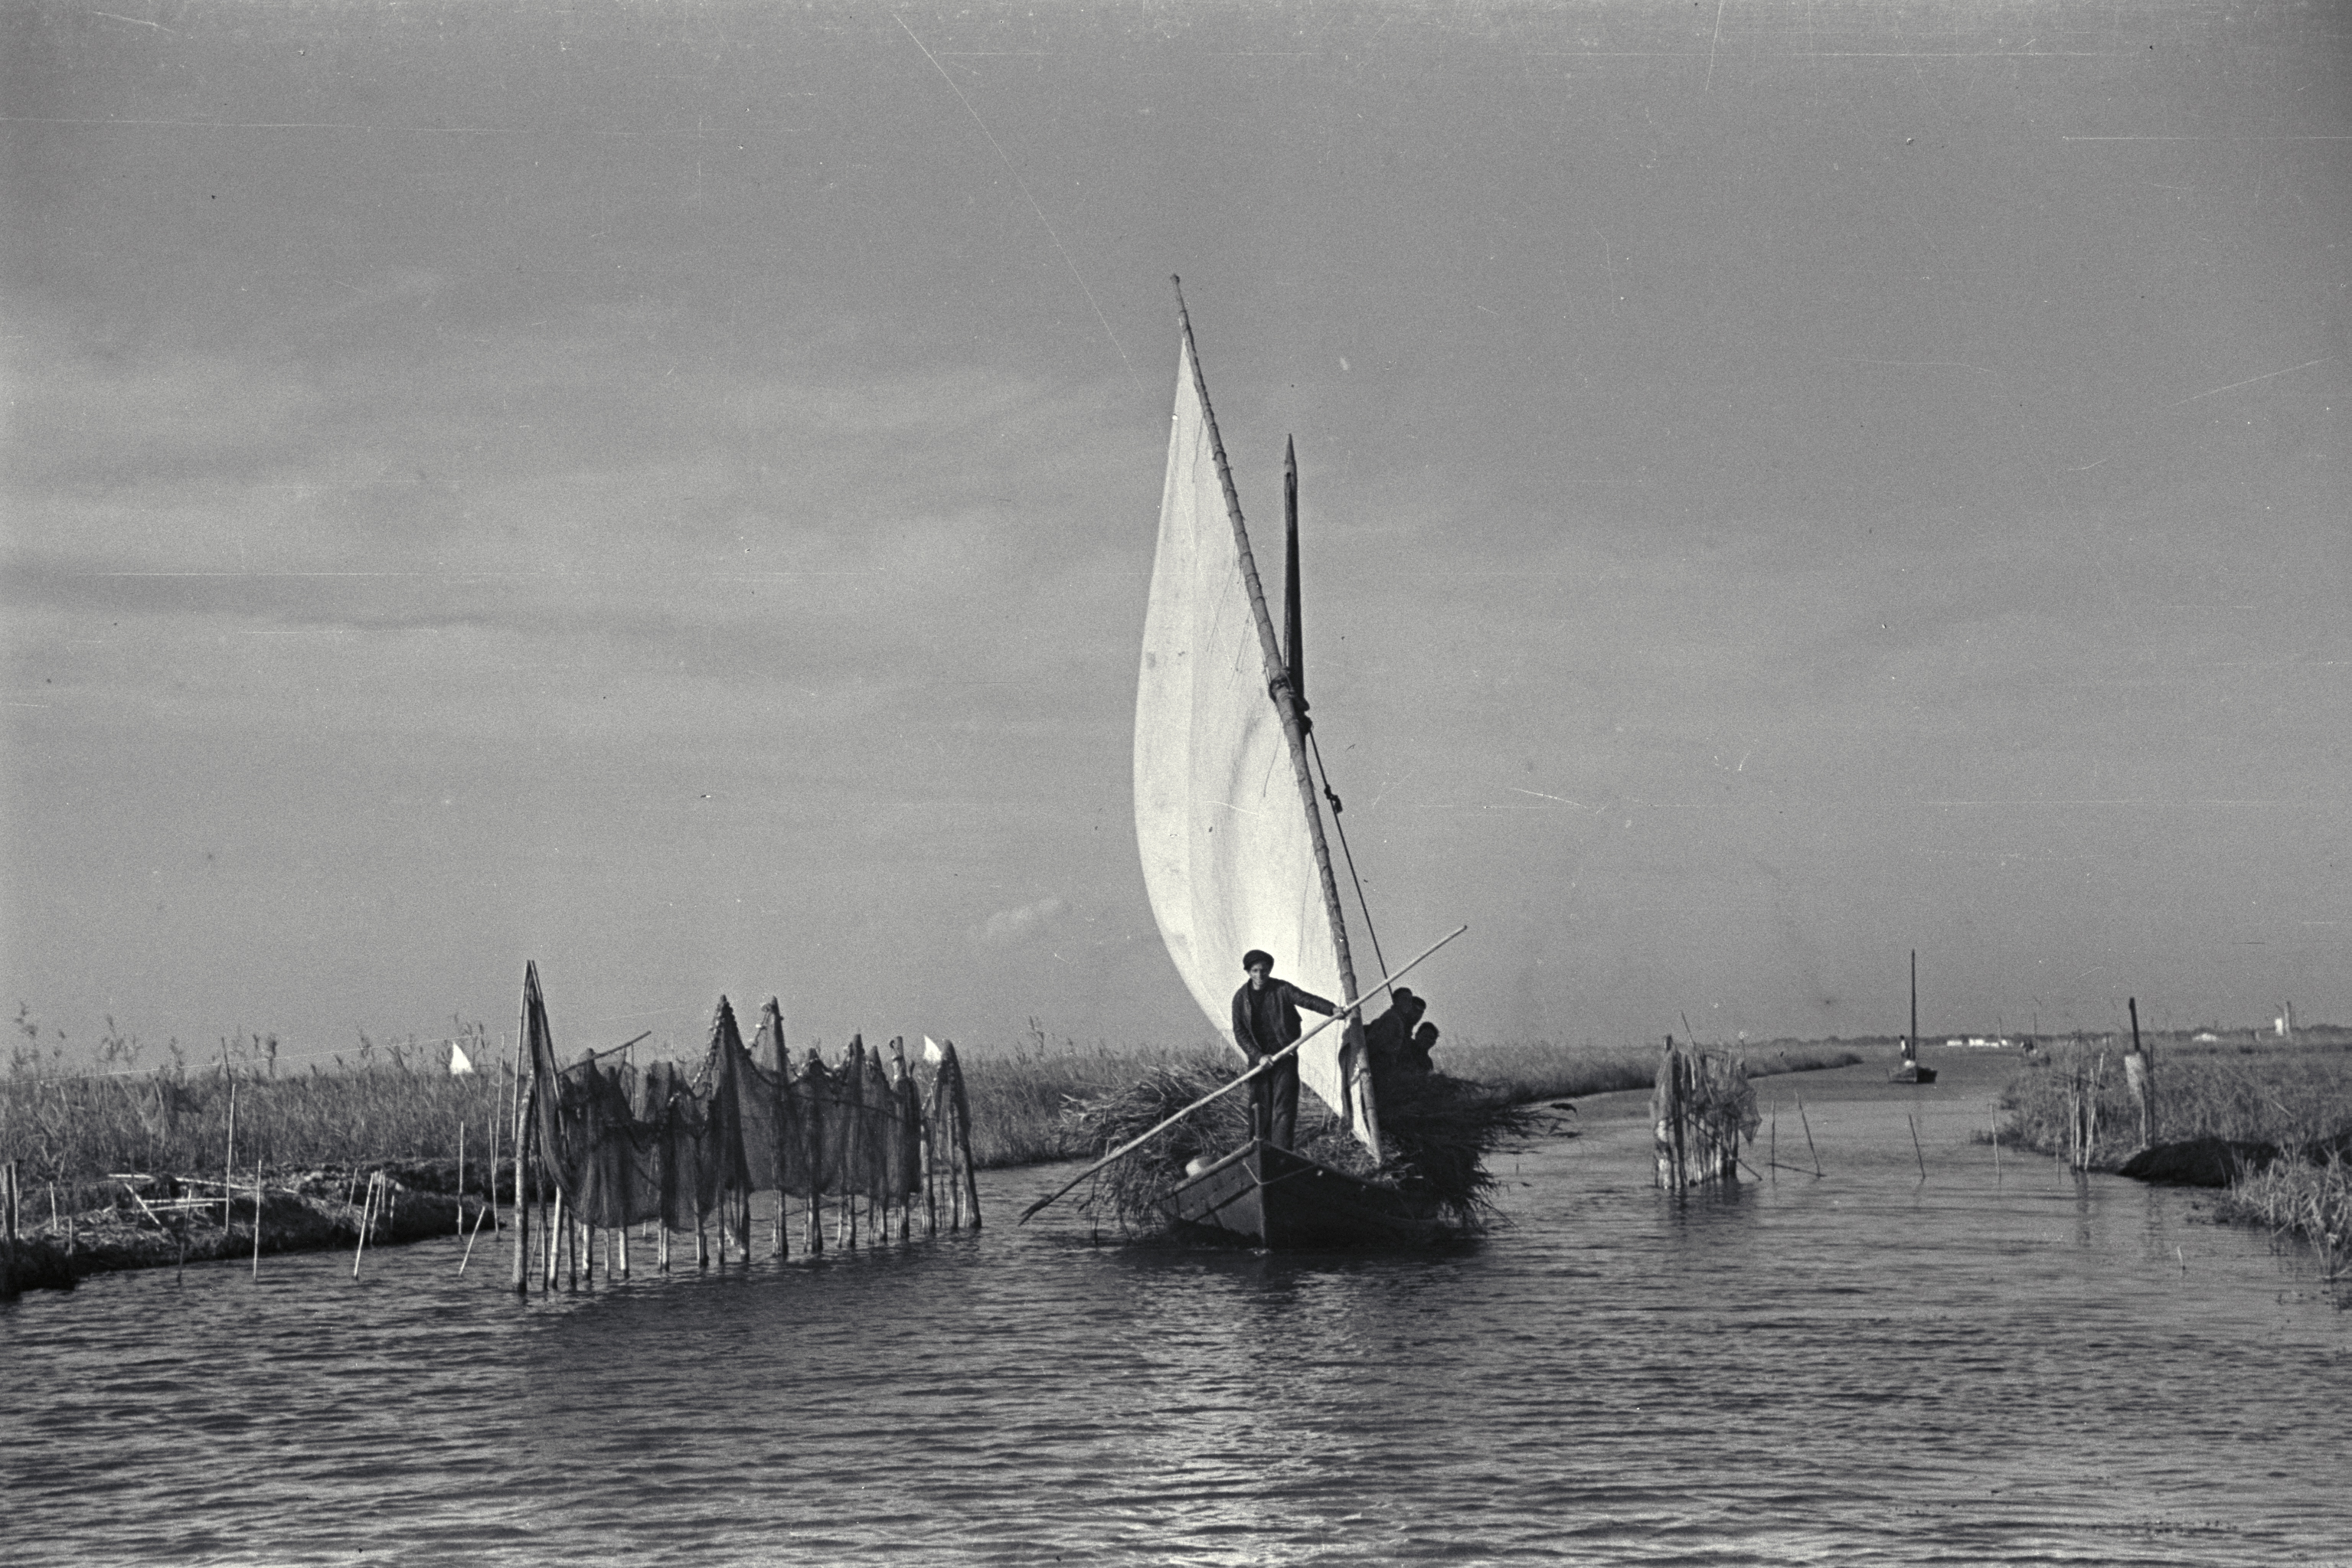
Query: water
[[1866, 1367]]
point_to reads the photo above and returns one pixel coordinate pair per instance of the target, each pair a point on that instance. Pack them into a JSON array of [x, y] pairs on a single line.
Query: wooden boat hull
[[1261, 1195]]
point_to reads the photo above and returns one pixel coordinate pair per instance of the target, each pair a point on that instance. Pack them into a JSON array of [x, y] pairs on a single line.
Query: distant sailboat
[[1911, 1072]]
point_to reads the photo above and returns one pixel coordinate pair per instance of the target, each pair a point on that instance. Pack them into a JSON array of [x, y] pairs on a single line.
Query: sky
[[669, 492]]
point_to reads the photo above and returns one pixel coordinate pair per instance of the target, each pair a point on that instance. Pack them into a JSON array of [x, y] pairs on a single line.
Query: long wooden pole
[[1132, 1144], [229, 1165], [1290, 707]]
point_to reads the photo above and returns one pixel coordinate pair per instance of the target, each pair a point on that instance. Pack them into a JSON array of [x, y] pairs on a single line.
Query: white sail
[[1228, 855]]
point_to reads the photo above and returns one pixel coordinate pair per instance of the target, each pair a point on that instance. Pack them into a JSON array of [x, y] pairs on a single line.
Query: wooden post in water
[[853, 1151], [8, 1227], [779, 1115], [962, 1128], [1808, 1122], [256, 1220], [365, 1215], [461, 1175], [228, 1164], [813, 1098], [2139, 1072], [1914, 1146]]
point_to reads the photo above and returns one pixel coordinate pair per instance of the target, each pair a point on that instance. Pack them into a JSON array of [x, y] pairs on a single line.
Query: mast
[[1293, 638], [1911, 1044], [1289, 705]]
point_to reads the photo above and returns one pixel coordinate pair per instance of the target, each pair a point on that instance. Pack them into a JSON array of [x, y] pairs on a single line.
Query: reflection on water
[[1870, 1366]]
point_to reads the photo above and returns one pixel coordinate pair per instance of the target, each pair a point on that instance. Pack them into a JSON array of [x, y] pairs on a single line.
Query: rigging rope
[[1333, 797]]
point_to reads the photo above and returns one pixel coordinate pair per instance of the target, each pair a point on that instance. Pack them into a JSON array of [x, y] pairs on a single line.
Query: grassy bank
[[2278, 1116]]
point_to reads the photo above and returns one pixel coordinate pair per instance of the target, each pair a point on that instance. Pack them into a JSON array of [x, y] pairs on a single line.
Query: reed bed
[[401, 1105], [75, 1131], [2278, 1117], [1538, 1069], [2312, 1201], [2287, 1097]]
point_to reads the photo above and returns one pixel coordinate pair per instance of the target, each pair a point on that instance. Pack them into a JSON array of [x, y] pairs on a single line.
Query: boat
[[1230, 829], [1911, 1072]]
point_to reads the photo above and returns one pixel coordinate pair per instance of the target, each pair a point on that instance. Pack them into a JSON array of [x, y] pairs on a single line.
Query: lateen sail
[[1228, 854]]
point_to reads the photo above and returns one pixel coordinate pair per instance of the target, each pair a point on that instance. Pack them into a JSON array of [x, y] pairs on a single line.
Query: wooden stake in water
[[1995, 1148], [229, 1165], [1808, 1122], [366, 1215], [256, 1220], [8, 1227], [1914, 1146], [461, 1175]]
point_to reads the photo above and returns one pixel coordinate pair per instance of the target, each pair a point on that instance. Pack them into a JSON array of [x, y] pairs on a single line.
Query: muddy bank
[[170, 1222], [2221, 1162]]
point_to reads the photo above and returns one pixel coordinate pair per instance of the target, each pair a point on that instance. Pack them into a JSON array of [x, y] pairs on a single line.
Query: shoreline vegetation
[[129, 1169], [2268, 1122]]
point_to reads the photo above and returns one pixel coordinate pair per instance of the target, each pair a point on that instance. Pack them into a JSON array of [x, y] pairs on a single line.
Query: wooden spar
[[461, 1175], [257, 1223], [1291, 707], [229, 1165], [1132, 1144]]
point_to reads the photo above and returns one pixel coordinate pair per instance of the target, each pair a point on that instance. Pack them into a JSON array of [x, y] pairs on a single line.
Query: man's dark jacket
[[1266, 1020]]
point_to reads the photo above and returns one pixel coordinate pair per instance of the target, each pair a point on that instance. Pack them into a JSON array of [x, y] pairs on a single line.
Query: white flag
[[459, 1062], [930, 1049]]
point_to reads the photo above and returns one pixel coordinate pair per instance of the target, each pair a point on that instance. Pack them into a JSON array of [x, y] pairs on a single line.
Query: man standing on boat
[[1266, 1019]]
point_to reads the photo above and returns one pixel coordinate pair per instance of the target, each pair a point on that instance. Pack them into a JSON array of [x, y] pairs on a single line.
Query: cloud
[[1023, 925]]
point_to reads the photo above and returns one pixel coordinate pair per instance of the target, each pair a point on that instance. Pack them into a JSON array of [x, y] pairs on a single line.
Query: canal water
[[1915, 1357]]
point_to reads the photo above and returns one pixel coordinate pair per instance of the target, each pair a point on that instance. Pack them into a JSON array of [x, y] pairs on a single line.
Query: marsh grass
[[399, 1103], [2288, 1108], [77, 1131], [2293, 1197], [2289, 1097], [1538, 1070]]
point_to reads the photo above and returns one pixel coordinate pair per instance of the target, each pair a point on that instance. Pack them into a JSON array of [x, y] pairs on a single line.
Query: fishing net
[[626, 1144]]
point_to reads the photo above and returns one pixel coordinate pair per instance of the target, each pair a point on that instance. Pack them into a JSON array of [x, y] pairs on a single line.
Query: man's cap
[[1256, 956]]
